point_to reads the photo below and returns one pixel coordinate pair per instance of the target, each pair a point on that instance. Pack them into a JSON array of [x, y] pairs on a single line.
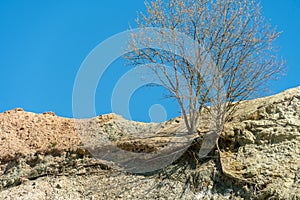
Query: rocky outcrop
[[265, 145], [44, 156]]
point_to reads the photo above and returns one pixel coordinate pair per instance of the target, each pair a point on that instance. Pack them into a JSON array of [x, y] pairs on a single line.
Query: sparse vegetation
[[232, 58], [233, 54]]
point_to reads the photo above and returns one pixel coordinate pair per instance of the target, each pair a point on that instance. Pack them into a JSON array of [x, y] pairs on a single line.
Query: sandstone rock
[[46, 157]]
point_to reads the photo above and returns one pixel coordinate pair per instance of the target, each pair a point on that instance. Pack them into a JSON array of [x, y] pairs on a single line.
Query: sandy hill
[[43, 156]]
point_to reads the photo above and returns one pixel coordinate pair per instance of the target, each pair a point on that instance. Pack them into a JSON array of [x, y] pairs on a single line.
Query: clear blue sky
[[43, 43]]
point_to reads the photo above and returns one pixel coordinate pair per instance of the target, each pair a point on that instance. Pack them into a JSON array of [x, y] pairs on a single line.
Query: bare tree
[[232, 55]]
